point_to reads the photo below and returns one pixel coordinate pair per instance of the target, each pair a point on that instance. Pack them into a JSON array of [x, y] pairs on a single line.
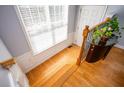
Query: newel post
[[84, 34]]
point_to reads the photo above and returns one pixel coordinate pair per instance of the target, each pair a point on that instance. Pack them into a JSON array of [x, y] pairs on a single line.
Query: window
[[45, 26]]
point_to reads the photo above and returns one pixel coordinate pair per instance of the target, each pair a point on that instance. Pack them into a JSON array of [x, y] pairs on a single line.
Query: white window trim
[[26, 34], [23, 28]]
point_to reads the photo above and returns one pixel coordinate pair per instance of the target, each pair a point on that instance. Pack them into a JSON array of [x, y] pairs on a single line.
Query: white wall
[[11, 31], [4, 53]]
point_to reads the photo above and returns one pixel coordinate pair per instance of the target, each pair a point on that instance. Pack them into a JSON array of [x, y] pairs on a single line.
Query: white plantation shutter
[[45, 25]]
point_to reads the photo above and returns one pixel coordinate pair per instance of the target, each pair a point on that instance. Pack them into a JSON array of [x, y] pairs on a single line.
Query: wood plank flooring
[[61, 70], [49, 72]]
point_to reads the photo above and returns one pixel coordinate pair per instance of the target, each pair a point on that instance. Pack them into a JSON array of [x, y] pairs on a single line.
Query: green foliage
[[108, 34], [108, 30], [97, 34]]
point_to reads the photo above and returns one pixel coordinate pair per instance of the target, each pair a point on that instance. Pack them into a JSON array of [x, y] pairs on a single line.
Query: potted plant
[[103, 38], [107, 31]]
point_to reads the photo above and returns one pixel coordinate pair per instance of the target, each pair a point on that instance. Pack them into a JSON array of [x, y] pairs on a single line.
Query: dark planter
[[97, 52]]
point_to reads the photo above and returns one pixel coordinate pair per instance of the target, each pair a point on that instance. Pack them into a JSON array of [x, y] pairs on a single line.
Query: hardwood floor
[[48, 73], [109, 72], [61, 70]]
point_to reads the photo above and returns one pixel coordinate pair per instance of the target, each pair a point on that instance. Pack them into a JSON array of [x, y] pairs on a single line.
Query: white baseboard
[[27, 61], [119, 46]]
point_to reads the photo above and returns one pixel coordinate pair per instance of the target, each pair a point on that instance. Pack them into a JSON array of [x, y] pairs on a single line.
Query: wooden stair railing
[[85, 34], [7, 63]]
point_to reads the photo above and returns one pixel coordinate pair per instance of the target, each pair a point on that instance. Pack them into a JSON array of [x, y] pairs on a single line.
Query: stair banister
[[85, 34]]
